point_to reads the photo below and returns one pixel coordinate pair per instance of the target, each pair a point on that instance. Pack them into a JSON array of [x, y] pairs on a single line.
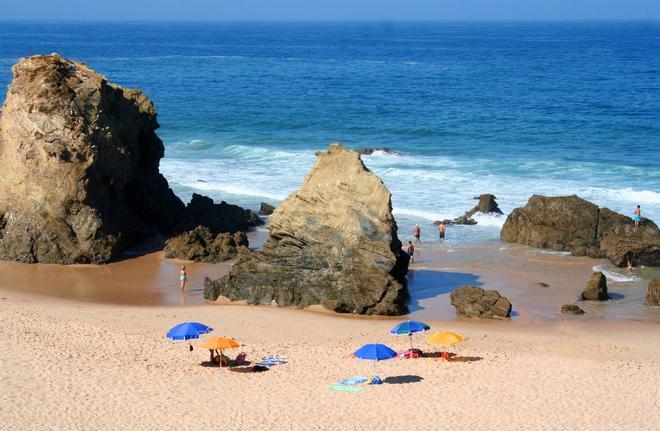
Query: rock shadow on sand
[[426, 284]]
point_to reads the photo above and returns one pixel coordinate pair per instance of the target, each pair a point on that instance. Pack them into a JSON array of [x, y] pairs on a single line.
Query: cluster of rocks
[[473, 301], [200, 245], [79, 161], [333, 242], [569, 223], [487, 205]]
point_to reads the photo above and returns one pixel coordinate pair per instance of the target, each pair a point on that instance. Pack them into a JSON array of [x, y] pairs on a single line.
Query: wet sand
[[537, 283]]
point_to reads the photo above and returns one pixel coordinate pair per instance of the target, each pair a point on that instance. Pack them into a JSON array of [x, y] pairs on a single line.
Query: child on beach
[[417, 232], [182, 279], [637, 217], [411, 252]]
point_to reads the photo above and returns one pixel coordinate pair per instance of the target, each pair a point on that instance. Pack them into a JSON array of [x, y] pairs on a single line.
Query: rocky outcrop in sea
[[79, 177], [333, 242], [487, 205], [569, 223]]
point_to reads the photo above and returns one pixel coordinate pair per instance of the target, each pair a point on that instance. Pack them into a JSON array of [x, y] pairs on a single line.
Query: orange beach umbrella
[[444, 339], [220, 343]]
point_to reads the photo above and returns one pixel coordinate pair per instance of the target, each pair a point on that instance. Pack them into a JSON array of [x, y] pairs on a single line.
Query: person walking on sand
[[417, 232], [637, 217], [411, 252], [442, 229], [183, 277]]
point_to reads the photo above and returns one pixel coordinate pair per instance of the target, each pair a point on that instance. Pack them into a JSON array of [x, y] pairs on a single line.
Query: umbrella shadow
[[250, 369], [425, 284], [402, 380], [453, 357]]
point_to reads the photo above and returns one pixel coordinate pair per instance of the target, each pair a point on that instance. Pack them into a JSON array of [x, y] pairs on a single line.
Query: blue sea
[[509, 108]]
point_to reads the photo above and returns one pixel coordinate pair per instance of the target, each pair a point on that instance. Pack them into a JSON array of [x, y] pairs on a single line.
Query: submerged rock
[[653, 292], [200, 245], [569, 223], [266, 209], [333, 242], [487, 205], [571, 309], [473, 301], [596, 289], [366, 151], [79, 178]]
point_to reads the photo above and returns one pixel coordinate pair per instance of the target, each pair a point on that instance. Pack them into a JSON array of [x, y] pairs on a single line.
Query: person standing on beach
[[442, 229], [411, 252], [637, 217], [417, 232], [183, 277]]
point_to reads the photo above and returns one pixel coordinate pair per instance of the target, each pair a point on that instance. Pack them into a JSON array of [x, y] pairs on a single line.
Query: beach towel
[[271, 361], [353, 381], [344, 388]]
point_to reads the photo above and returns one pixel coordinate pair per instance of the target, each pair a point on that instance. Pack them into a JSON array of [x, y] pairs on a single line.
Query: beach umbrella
[[220, 343], [444, 339], [188, 331], [409, 328], [374, 352]]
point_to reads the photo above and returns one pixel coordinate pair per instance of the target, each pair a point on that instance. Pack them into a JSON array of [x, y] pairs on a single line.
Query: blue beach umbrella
[[409, 328], [374, 352], [188, 331]]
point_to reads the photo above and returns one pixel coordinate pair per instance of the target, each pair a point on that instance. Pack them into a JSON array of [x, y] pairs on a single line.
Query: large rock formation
[[200, 245], [653, 292], [218, 218], [473, 301], [569, 223], [79, 178], [596, 288], [333, 242]]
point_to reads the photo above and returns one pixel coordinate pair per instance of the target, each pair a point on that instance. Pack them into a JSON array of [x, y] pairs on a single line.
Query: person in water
[[182, 278], [417, 232], [411, 252], [630, 266], [637, 217], [442, 229]]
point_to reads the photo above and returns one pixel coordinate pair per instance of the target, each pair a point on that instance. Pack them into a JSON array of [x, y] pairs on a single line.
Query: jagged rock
[[200, 245], [266, 209], [79, 159], [596, 289], [653, 292], [366, 151], [487, 205], [571, 309], [473, 301], [333, 242], [569, 223], [219, 218], [79, 178]]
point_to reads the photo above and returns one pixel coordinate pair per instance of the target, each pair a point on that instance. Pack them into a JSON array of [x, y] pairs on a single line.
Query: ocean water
[[511, 109]]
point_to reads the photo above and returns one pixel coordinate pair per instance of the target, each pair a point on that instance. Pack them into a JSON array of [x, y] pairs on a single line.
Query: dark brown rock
[[219, 218], [569, 223], [473, 301], [571, 309], [487, 205], [200, 245], [366, 151], [596, 289], [333, 242], [653, 292], [266, 209]]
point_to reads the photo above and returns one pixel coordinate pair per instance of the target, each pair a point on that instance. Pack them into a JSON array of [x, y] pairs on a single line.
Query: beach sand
[[99, 359]]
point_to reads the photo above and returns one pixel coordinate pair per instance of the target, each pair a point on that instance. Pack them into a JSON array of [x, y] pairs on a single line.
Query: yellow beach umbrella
[[444, 339], [220, 343]]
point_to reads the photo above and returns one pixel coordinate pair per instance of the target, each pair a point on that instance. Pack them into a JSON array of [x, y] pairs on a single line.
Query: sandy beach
[[77, 364]]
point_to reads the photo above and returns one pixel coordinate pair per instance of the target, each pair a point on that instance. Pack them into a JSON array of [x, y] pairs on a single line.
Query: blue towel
[[353, 381], [271, 361]]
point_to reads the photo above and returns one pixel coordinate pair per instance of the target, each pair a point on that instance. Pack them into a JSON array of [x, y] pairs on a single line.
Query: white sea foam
[[489, 219], [615, 276]]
